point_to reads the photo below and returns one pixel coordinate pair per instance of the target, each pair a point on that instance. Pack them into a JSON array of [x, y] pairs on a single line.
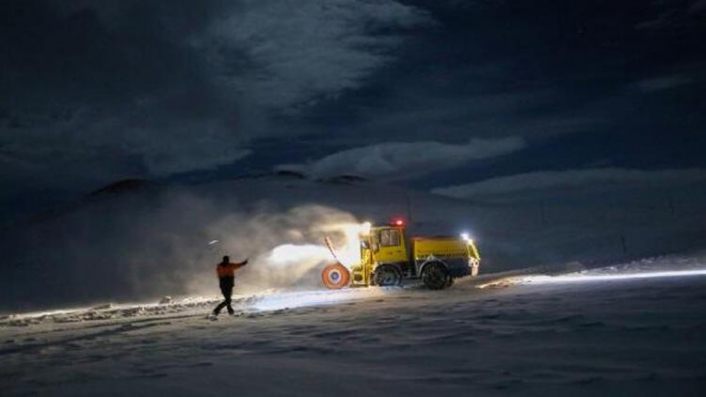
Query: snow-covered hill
[[142, 241]]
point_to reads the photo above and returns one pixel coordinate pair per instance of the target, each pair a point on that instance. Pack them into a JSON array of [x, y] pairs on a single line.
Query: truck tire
[[387, 275], [435, 276]]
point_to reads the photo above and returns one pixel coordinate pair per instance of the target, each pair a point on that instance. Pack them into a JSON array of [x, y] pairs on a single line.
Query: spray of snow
[[286, 249], [170, 245], [286, 255]]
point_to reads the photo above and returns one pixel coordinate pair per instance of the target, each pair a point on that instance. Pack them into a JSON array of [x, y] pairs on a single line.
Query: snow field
[[627, 337]]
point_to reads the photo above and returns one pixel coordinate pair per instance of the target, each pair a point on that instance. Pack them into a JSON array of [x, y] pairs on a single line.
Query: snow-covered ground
[[609, 331]]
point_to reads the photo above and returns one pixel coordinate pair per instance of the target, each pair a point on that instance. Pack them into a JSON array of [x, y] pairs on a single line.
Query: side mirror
[[364, 244]]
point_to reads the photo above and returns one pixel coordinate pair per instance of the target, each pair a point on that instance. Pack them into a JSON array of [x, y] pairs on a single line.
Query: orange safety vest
[[227, 269]]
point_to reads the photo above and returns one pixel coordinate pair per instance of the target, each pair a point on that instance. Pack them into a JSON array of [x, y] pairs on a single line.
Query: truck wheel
[[435, 276], [387, 275]]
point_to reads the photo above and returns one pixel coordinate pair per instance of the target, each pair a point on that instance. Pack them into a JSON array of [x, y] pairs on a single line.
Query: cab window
[[389, 238]]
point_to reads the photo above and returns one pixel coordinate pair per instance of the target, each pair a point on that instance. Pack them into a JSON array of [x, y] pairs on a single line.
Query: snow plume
[[286, 249], [149, 245], [406, 160]]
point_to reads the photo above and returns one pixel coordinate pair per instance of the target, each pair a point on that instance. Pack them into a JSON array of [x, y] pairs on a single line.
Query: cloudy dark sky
[[424, 93]]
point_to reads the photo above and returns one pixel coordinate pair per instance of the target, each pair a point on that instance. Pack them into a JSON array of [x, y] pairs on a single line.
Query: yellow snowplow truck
[[388, 257]]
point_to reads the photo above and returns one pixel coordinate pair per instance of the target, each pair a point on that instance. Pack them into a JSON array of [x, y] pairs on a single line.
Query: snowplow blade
[[335, 276]]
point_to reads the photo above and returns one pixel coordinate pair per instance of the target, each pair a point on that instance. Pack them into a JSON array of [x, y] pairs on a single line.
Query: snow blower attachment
[[335, 276], [388, 257]]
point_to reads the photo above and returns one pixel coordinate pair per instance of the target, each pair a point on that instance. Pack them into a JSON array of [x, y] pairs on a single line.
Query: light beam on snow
[[290, 300], [582, 278], [115, 310]]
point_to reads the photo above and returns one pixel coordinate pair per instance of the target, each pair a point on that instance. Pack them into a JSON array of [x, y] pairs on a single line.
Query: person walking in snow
[[226, 279]]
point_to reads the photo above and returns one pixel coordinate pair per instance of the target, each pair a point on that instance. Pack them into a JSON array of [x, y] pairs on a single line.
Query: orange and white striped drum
[[335, 276]]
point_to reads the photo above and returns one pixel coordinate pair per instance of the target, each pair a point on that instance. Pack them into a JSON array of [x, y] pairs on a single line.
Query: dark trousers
[[226, 284]]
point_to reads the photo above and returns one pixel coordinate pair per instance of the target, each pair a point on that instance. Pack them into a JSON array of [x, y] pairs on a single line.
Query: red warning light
[[398, 222]]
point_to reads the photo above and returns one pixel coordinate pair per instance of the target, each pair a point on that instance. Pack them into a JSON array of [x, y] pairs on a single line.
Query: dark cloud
[[405, 160], [100, 90], [286, 57], [157, 88], [672, 14], [514, 186], [662, 83]]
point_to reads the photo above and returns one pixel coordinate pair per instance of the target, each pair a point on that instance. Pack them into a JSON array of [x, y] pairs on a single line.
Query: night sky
[[421, 93]]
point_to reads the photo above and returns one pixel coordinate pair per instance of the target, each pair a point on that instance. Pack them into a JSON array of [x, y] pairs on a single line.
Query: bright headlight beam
[[581, 278]]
